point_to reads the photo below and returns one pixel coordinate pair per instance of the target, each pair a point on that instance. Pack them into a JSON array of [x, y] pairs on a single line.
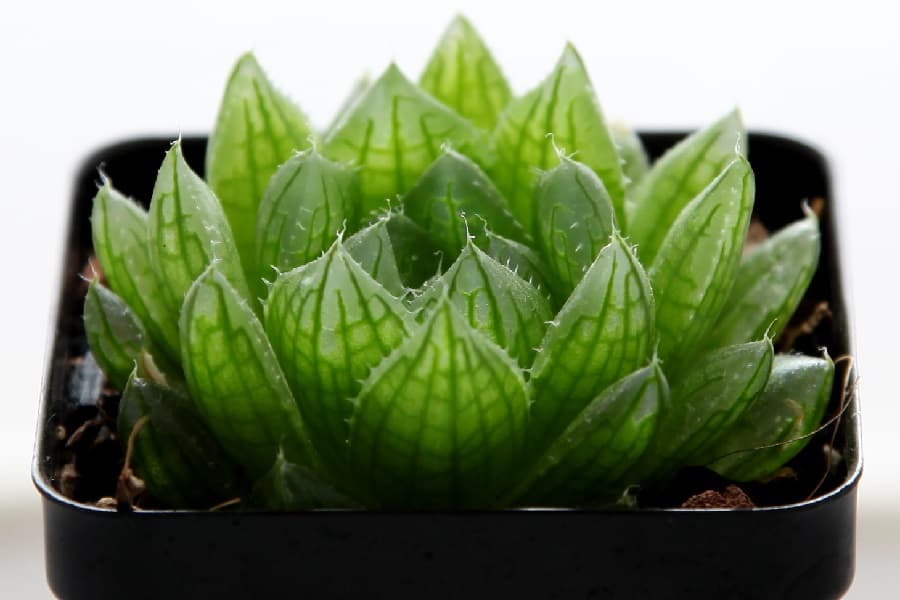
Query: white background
[[75, 75]]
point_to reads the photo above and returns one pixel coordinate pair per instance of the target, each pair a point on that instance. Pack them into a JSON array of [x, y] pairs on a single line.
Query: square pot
[[795, 549]]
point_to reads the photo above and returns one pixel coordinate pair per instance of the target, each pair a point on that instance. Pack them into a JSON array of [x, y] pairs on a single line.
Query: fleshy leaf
[[257, 129], [635, 162], [600, 444], [393, 133], [563, 105], [235, 380], [174, 453], [603, 332], [462, 74], [454, 199], [694, 270], [706, 402], [520, 259], [769, 285], [791, 406], [188, 231], [373, 249], [120, 229], [418, 258], [330, 323], [308, 201], [114, 333], [289, 486], [356, 92], [441, 422], [495, 301], [574, 219], [678, 177]]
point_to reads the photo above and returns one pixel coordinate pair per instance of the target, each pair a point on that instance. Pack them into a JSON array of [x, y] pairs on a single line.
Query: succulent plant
[[453, 297]]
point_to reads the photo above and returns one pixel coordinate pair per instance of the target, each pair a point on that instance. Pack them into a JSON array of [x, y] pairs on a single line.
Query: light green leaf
[[120, 229], [393, 133], [114, 333], [308, 201], [520, 259], [462, 74], [330, 323], [602, 333], [635, 162], [453, 200], [694, 270], [257, 129], [707, 401], [175, 455], [494, 301], [791, 406], [235, 379], [188, 231], [289, 486], [769, 285], [574, 219], [356, 92], [678, 177], [600, 444], [441, 422], [563, 105], [373, 249]]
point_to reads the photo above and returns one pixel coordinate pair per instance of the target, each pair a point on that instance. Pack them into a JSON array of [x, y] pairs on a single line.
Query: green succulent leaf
[[603, 332], [393, 133], [441, 422], [600, 444], [790, 407], [635, 162], [114, 333], [330, 323], [706, 403], [308, 201], [769, 285], [454, 199], [356, 92], [257, 129], [494, 301], [188, 231], [694, 270], [678, 177], [175, 455], [120, 229], [235, 380], [289, 486], [520, 259], [462, 74], [574, 219], [564, 106], [373, 249]]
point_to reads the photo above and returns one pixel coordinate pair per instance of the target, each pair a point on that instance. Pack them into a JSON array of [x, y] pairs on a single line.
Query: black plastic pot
[[799, 549]]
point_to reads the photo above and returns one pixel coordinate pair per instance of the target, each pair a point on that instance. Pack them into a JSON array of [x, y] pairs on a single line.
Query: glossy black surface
[[800, 550]]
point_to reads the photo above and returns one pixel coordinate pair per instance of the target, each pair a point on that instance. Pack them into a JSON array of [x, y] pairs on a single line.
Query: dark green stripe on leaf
[[235, 379], [791, 406]]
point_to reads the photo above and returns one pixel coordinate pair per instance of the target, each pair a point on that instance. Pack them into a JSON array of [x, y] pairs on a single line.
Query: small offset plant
[[452, 297]]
